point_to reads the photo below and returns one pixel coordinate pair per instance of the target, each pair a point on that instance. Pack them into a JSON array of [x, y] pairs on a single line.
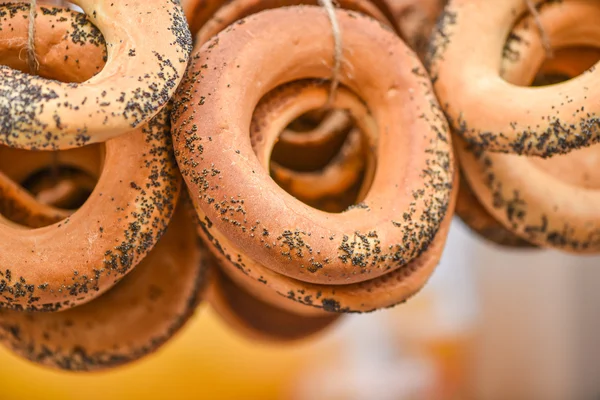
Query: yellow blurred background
[[205, 360]]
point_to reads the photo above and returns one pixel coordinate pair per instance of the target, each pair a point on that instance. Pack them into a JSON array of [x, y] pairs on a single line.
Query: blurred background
[[491, 324]]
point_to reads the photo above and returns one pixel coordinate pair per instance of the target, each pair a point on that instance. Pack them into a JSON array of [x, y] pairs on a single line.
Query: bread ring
[[236, 10], [552, 203], [143, 68], [410, 195], [494, 114], [115, 329], [258, 320], [65, 264], [309, 299]]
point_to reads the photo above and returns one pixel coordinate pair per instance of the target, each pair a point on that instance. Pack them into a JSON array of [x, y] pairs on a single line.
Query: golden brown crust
[[148, 44], [132, 320], [313, 299], [404, 209], [495, 115], [77, 259]]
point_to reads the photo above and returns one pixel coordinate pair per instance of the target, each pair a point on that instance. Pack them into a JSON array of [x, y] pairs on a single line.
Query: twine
[[536, 17], [337, 38]]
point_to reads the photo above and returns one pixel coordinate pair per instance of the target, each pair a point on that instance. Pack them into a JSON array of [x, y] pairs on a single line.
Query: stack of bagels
[[162, 154]]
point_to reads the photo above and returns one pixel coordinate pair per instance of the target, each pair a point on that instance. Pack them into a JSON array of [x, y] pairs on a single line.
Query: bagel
[[82, 256], [310, 299], [143, 68], [553, 202], [295, 296], [410, 195], [494, 114], [115, 328], [258, 320]]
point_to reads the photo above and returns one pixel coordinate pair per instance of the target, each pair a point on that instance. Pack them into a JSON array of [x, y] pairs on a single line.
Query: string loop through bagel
[[32, 60], [337, 37]]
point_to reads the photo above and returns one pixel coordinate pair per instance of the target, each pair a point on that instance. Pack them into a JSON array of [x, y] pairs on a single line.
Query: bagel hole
[[61, 186], [313, 155], [314, 158], [566, 63], [63, 180], [579, 167]]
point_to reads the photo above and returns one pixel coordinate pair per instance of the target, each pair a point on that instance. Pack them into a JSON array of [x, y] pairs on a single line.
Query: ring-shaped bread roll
[[148, 44], [76, 260], [271, 114], [410, 194], [494, 114], [553, 202], [133, 319], [259, 320], [309, 299]]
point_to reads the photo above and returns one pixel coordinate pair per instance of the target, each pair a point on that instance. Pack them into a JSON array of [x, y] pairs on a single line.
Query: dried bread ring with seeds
[[550, 202], [77, 259], [490, 112], [133, 319], [295, 296], [308, 299], [412, 186], [148, 44]]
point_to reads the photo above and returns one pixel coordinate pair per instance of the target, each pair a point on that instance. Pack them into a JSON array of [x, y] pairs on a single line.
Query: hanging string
[[32, 60], [538, 21], [337, 37]]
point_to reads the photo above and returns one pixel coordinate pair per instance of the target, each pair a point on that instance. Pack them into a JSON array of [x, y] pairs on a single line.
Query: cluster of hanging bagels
[[282, 161]]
